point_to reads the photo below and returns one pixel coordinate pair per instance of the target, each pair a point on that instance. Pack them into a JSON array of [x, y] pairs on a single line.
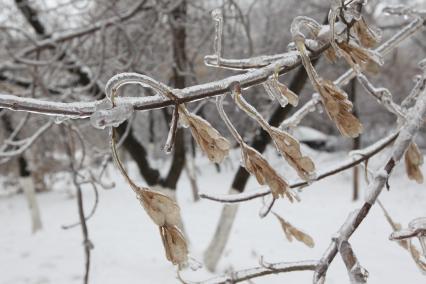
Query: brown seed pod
[[290, 231], [174, 245], [208, 138], [256, 165], [413, 162]]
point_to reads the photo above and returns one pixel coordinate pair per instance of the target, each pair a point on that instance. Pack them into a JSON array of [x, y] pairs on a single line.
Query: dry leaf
[[289, 148], [209, 139], [413, 162], [339, 108], [174, 245], [264, 173], [290, 231], [161, 208], [368, 36]]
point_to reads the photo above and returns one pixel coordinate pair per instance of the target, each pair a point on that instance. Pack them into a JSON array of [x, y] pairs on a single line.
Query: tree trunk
[[180, 66], [356, 142]]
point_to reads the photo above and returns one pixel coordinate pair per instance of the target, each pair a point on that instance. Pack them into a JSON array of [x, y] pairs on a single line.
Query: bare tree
[[61, 78]]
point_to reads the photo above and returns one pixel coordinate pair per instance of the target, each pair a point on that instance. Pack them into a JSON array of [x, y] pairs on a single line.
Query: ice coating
[[111, 117]]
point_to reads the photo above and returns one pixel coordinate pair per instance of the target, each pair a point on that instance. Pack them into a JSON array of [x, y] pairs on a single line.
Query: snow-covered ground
[[128, 248]]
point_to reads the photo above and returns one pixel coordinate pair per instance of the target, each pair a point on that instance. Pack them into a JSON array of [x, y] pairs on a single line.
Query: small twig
[[92, 211], [235, 198]]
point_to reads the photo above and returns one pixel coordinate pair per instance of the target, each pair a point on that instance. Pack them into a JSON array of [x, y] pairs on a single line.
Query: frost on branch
[[416, 228]]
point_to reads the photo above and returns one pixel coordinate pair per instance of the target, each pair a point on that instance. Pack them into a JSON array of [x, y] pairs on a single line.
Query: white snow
[[128, 247]]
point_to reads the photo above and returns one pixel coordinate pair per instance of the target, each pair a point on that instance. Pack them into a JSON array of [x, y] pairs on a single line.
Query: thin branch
[[407, 133], [250, 273], [367, 153]]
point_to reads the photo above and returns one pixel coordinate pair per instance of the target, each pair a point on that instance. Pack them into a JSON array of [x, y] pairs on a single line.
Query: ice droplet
[[111, 117]]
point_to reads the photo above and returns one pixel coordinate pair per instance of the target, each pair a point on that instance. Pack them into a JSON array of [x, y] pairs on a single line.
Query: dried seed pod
[[174, 245], [359, 57], [209, 139], [256, 165], [413, 162], [290, 231], [339, 108], [330, 54], [287, 145], [368, 36], [161, 208], [289, 148]]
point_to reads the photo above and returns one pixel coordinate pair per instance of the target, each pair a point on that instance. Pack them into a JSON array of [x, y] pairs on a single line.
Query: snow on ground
[[128, 248]]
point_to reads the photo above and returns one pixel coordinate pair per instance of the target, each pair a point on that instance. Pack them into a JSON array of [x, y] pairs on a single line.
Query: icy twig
[[420, 84], [6, 155], [382, 95], [402, 10], [407, 133], [69, 35], [251, 273], [364, 155]]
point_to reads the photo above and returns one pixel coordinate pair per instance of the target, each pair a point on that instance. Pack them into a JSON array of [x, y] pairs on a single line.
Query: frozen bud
[[174, 245], [257, 165], [290, 231], [339, 108], [162, 209], [208, 138], [413, 162], [111, 117]]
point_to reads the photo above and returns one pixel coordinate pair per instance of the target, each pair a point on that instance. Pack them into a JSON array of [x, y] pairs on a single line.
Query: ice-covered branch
[[403, 141], [382, 95], [357, 274], [250, 273], [364, 155], [288, 62], [26, 143], [69, 35]]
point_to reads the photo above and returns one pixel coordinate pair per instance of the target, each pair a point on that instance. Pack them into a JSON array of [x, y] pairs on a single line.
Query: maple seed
[[208, 138], [413, 162], [264, 173]]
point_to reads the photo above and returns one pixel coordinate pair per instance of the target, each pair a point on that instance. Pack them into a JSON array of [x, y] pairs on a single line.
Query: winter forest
[[215, 141]]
